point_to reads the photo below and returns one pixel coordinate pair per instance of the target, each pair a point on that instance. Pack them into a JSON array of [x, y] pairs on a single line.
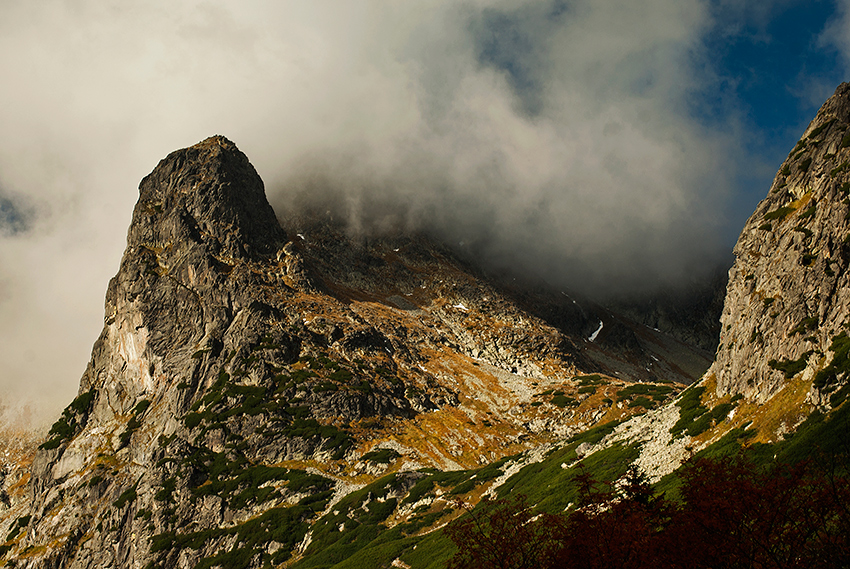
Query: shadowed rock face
[[202, 215], [208, 194], [788, 294]]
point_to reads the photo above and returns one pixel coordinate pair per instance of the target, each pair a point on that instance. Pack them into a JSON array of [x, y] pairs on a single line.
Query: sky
[[608, 146]]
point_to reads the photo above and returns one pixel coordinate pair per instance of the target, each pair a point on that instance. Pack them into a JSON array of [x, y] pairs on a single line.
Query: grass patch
[[790, 368], [779, 214], [381, 456], [804, 230], [805, 325], [821, 128], [690, 409], [127, 496]]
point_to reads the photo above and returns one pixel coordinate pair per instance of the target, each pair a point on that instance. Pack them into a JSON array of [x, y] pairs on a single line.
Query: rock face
[[788, 296], [690, 313], [247, 379]]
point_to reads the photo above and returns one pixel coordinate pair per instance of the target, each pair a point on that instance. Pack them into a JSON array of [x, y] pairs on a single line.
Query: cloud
[[558, 135], [554, 136], [836, 35]]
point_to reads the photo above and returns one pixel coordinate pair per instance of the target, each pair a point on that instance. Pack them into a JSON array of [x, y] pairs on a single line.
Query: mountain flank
[[255, 387], [788, 299]]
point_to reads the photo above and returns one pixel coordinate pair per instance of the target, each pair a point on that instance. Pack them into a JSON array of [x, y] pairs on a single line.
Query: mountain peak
[[211, 193]]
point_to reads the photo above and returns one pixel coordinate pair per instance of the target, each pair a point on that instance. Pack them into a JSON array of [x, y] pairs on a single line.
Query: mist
[[562, 139]]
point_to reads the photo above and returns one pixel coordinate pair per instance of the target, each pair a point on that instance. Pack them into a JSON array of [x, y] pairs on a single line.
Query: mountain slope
[[252, 384], [780, 376], [267, 395]]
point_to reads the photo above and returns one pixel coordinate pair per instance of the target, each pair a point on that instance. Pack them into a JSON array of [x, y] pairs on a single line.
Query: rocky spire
[[210, 193], [201, 218]]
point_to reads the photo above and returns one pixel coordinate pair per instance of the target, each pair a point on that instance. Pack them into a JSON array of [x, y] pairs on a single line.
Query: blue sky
[[776, 68], [600, 144]]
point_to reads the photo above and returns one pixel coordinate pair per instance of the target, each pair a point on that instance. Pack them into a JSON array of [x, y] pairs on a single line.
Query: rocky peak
[[208, 193], [788, 296]]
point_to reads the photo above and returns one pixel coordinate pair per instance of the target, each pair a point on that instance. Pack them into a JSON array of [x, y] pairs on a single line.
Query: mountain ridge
[[287, 395]]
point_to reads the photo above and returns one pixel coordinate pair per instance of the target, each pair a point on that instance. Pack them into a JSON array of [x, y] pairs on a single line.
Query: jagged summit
[[208, 193]]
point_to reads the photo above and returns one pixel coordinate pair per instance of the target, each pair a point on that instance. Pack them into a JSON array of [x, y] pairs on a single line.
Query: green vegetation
[[840, 364], [805, 163], [728, 512], [779, 214], [16, 528], [804, 230], [838, 169], [821, 128], [381, 456], [285, 526], [226, 398], [692, 415], [805, 325], [362, 515], [593, 379], [134, 422], [72, 420], [127, 496], [646, 395], [808, 212], [166, 492], [790, 368], [561, 400]]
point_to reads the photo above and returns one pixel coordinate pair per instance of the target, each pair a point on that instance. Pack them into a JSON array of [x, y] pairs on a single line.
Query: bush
[[790, 368], [779, 214], [731, 512]]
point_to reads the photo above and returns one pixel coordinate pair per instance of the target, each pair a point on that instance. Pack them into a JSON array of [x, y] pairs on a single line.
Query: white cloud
[[575, 147]]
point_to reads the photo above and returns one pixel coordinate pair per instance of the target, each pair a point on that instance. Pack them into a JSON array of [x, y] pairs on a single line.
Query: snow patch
[[593, 336]]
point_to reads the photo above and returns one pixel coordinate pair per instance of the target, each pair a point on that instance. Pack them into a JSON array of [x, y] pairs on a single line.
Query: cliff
[[788, 296]]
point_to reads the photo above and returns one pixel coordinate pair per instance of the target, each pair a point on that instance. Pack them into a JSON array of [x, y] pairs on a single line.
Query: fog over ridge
[[557, 137]]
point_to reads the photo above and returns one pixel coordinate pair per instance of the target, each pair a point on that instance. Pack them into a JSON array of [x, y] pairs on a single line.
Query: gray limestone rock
[[788, 294]]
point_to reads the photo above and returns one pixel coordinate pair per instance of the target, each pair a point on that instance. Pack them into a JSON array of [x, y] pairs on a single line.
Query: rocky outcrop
[[788, 296]]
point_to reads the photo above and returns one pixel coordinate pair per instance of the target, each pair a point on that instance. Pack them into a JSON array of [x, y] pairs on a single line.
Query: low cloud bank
[[556, 137]]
